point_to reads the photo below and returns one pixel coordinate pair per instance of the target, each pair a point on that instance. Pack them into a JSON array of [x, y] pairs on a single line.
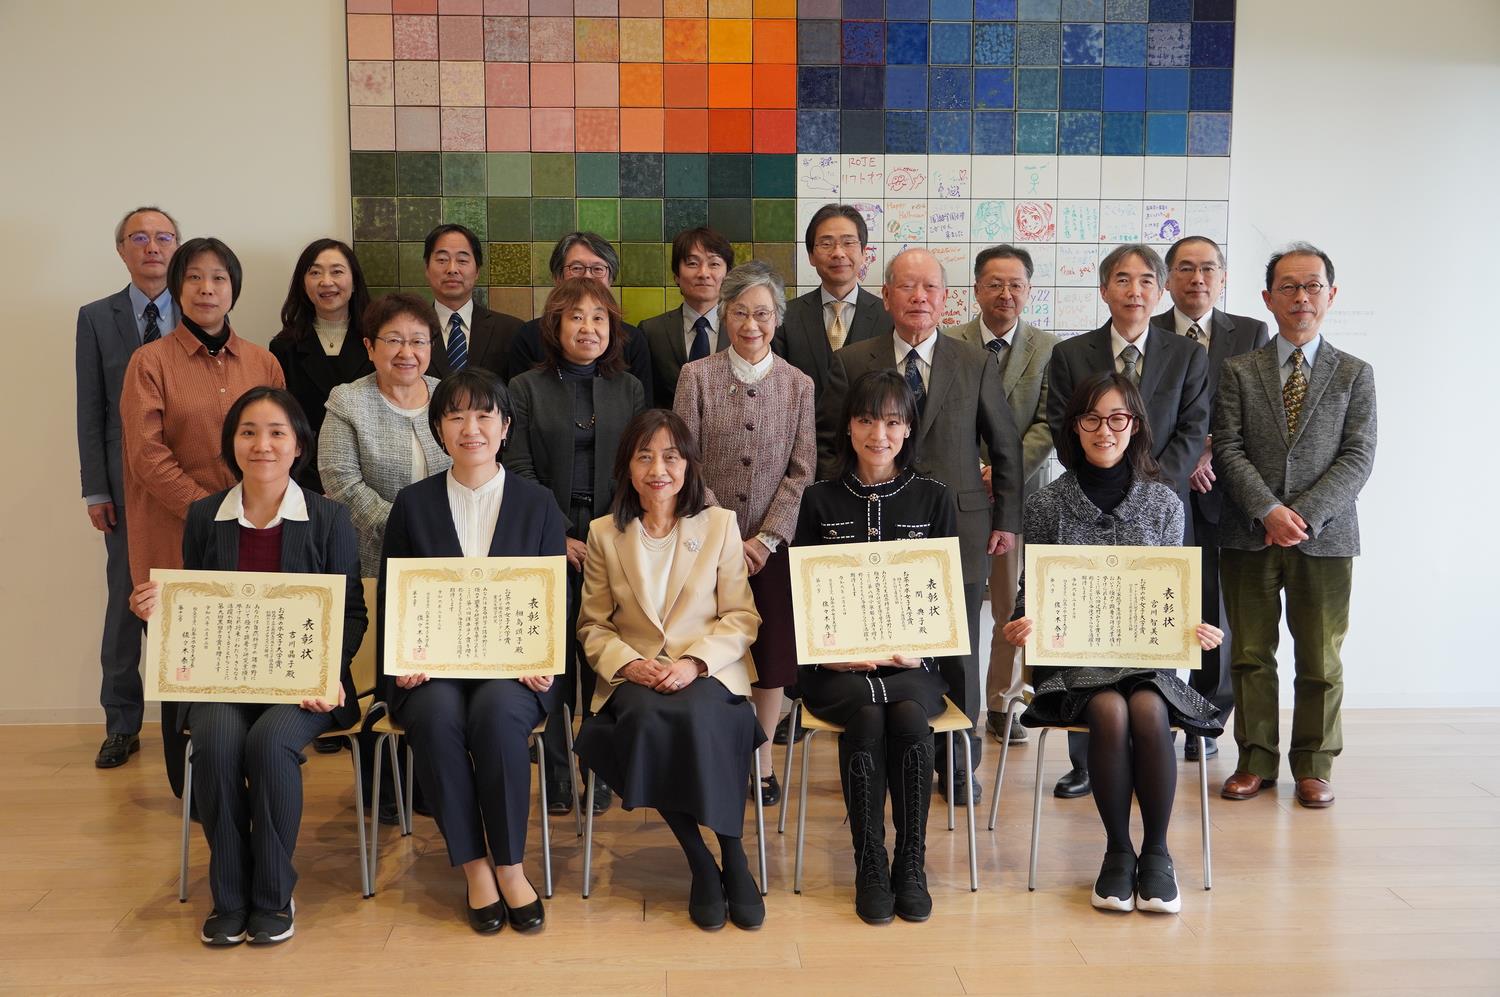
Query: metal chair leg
[[802, 812], [374, 866], [573, 772], [187, 821], [1208, 861], [359, 821], [409, 793], [588, 840], [973, 856], [402, 790], [1036, 805], [953, 763], [760, 821], [791, 752], [1010, 718], [541, 780]]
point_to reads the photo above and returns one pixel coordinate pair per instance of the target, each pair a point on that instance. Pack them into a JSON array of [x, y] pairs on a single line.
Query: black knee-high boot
[[909, 763], [862, 770]]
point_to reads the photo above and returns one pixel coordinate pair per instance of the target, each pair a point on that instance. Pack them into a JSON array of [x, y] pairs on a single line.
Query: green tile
[[742, 251], [541, 256], [374, 218], [412, 269], [378, 262], [775, 219], [539, 298], [510, 263], [481, 296], [640, 303], [682, 213], [598, 174], [641, 264], [687, 175], [732, 217], [600, 215], [510, 219], [731, 176], [510, 174], [552, 174], [420, 290], [380, 291], [372, 173], [640, 219], [552, 218], [782, 257], [419, 173], [463, 173], [467, 211], [416, 216], [775, 175]]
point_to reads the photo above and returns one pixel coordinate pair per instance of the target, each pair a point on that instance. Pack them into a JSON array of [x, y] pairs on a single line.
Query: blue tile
[[1082, 89], [872, 10], [1078, 133], [994, 10], [1036, 89], [864, 43], [1124, 45], [818, 43], [1213, 44], [1208, 135], [1171, 10], [906, 131], [906, 87], [1212, 89], [1167, 89], [1083, 44], [994, 44], [994, 133], [817, 131], [952, 89], [994, 88], [1125, 10], [818, 86], [949, 133], [1083, 10], [1213, 10], [906, 43], [1124, 89], [906, 10], [1166, 134], [1037, 44], [1124, 134], [864, 131], [1169, 44], [1036, 132], [951, 44], [862, 87], [1039, 10], [953, 10]]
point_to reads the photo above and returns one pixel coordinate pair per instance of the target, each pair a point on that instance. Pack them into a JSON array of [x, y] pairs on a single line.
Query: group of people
[[672, 465]]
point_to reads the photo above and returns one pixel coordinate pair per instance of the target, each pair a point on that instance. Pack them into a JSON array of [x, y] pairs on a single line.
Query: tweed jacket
[[1317, 473], [667, 341], [364, 458], [802, 339], [1150, 516], [758, 441], [1025, 383]]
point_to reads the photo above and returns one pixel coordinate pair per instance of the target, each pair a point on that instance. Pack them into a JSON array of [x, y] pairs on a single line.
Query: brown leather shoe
[[1244, 786], [1314, 793]]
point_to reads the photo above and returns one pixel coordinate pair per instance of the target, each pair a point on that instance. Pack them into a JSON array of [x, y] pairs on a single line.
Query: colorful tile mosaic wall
[[1067, 125]]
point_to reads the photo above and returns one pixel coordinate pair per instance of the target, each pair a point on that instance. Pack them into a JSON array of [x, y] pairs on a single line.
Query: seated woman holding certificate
[[246, 782], [1112, 494], [470, 736], [883, 706], [667, 623]]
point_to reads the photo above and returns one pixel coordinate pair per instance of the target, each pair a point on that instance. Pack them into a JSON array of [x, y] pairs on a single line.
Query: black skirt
[[837, 696], [1062, 697], [775, 649], [687, 751]]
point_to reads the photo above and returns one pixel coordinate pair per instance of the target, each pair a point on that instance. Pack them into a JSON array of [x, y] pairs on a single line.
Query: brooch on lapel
[[693, 544]]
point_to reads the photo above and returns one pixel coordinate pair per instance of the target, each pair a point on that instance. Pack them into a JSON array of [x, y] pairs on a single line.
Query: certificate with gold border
[[1113, 607], [476, 617], [869, 601], [245, 637]]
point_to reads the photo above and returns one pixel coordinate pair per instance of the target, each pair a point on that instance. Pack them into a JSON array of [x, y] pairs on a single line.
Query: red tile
[[686, 85], [729, 130], [774, 86], [551, 84], [687, 130], [641, 129], [775, 131]]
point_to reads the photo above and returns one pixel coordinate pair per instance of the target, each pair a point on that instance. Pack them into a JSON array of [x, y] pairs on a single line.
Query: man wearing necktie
[[1195, 279], [1294, 444], [691, 331], [109, 331], [961, 409], [1172, 374], [472, 335]]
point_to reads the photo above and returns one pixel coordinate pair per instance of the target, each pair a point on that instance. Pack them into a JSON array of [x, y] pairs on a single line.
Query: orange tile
[[774, 86], [551, 84], [775, 131], [640, 84], [597, 129], [507, 84], [684, 8], [728, 8], [687, 130], [685, 40], [686, 85], [641, 129], [729, 130], [728, 40], [371, 37], [775, 8], [729, 85], [775, 41]]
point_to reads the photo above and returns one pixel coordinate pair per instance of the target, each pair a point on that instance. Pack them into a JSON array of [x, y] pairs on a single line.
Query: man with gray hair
[[109, 330]]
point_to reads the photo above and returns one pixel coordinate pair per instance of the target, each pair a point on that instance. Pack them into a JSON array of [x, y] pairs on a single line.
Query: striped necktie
[[1195, 333], [153, 331], [999, 348], [1292, 393], [458, 345]]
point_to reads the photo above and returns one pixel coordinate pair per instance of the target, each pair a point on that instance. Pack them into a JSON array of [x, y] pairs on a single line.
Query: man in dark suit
[[1294, 442], [1172, 374], [472, 334], [691, 331], [581, 254], [1195, 279], [960, 404], [109, 330]]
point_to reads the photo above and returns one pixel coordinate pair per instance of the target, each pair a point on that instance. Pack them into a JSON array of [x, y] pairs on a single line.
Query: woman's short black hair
[[638, 432], [192, 249], [298, 313], [472, 389], [301, 428], [878, 394], [1070, 453]]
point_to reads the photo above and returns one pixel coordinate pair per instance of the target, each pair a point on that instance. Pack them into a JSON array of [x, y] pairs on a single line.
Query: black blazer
[[526, 353], [540, 445], [668, 346], [107, 336], [802, 340], [490, 338], [311, 374], [421, 525]]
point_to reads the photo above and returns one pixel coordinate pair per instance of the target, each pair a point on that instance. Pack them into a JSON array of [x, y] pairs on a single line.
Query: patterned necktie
[[1195, 333], [914, 379], [1292, 393], [1130, 356], [458, 345], [153, 331], [999, 348], [836, 331], [700, 339]]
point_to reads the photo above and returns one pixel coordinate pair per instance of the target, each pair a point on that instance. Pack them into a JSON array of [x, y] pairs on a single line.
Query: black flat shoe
[[770, 791], [1073, 785], [1190, 749], [709, 914], [963, 792], [116, 750], [784, 730], [528, 917], [328, 746], [748, 916], [488, 919], [604, 797], [560, 799]]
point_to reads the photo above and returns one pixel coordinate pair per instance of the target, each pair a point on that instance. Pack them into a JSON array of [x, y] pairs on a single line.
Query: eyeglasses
[[1188, 269], [828, 243], [142, 239], [1290, 290], [400, 344], [594, 270], [761, 315], [1117, 421], [1015, 287]]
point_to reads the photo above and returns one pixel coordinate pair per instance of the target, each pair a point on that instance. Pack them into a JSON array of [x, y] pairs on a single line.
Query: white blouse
[[475, 511], [418, 416], [656, 564]]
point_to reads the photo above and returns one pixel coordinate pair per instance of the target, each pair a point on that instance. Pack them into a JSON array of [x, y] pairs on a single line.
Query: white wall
[[1359, 125]]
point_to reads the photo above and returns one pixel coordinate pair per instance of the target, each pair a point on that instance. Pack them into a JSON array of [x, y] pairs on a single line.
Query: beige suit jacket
[[710, 612]]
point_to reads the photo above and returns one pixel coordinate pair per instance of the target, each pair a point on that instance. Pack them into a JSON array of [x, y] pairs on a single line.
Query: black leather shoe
[[748, 916], [708, 913], [529, 917], [784, 728], [963, 792], [116, 750], [390, 814], [770, 791], [488, 919], [1190, 749], [1073, 785], [604, 797], [328, 746], [560, 799]]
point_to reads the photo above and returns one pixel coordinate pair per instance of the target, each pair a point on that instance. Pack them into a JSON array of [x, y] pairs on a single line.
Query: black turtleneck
[[1106, 487], [213, 344], [581, 377]]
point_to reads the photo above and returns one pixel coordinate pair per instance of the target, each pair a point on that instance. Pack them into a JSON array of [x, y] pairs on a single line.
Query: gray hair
[[1140, 250], [752, 274], [1297, 249], [890, 264], [594, 243], [120, 227]]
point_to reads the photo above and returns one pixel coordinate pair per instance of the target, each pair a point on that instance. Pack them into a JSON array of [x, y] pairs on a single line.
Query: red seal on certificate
[[1057, 642], [419, 653], [184, 673]]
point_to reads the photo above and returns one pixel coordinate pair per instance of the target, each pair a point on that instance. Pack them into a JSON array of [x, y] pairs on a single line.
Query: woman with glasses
[[1112, 494], [751, 414]]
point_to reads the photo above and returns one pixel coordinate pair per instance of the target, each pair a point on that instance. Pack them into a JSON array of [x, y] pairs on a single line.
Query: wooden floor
[[1390, 891]]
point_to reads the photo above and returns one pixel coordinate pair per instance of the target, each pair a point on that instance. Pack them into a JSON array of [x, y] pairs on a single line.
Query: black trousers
[[1212, 681], [247, 785], [120, 647], [962, 675], [469, 739]]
